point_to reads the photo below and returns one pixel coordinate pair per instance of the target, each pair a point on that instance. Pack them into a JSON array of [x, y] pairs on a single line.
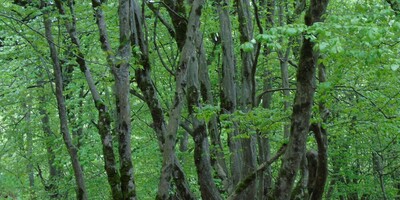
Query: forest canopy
[[217, 99]]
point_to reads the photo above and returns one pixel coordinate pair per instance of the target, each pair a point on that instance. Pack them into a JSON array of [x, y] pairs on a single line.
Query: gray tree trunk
[[169, 157], [303, 102], [123, 112], [104, 119], [29, 150], [247, 96], [264, 149], [228, 89], [217, 154], [202, 161], [62, 112], [147, 87]]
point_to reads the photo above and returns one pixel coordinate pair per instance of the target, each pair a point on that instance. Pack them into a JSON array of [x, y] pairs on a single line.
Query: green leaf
[[323, 45], [291, 31], [394, 67], [247, 47]]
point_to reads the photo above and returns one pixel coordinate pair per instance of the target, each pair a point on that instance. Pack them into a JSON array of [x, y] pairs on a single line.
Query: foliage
[[359, 45]]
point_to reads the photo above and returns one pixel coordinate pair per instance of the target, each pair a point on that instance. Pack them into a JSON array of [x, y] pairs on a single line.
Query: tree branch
[[370, 101], [273, 90], [250, 178]]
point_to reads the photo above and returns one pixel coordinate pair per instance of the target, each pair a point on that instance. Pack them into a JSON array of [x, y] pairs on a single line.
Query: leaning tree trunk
[[169, 157], [148, 89], [62, 112], [304, 98], [104, 119]]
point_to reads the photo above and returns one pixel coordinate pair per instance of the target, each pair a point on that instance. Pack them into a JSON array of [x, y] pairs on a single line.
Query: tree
[[268, 99]]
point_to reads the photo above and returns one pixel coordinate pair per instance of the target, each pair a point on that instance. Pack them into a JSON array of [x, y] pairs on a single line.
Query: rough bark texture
[[177, 12], [121, 87], [248, 69], [62, 112], [228, 88], [147, 87], [248, 92], [217, 154], [104, 119], [202, 161], [181, 81], [301, 108]]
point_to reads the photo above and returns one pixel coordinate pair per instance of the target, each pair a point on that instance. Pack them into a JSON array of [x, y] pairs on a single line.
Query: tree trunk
[[146, 85], [217, 154], [29, 151], [264, 149], [321, 136], [62, 111], [208, 188], [303, 102], [283, 61], [54, 173], [123, 112], [104, 119], [169, 157], [248, 92], [228, 88]]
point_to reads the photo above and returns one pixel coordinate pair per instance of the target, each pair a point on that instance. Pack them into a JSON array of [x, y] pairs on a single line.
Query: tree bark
[[177, 12], [217, 154], [321, 136], [303, 102], [228, 93], [104, 119], [169, 158], [62, 111], [264, 149], [208, 188], [29, 150], [147, 87], [247, 181], [283, 61], [248, 88], [121, 86]]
